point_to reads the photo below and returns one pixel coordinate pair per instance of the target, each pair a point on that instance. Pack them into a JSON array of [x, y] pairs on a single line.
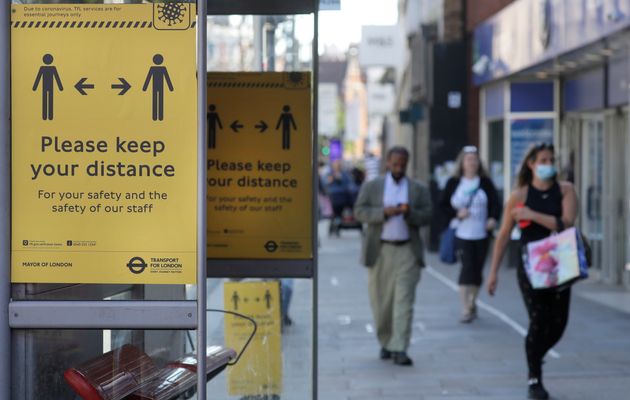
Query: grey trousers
[[392, 286]]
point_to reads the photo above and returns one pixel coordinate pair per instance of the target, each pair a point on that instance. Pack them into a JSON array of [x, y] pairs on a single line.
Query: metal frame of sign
[[292, 268], [202, 298], [258, 7], [220, 268], [22, 314], [5, 201], [282, 268]]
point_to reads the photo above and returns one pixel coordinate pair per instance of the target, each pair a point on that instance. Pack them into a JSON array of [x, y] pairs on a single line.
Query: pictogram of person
[[287, 121], [235, 299], [158, 74], [268, 299], [48, 76], [213, 121]]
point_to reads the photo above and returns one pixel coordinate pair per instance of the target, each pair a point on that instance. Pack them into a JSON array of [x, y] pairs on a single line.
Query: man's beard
[[398, 177]]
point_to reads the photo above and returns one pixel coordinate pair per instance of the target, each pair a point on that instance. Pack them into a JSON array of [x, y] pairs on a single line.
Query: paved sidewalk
[[484, 360]]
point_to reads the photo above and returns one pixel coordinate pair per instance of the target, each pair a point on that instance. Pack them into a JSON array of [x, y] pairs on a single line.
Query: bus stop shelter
[[42, 307]]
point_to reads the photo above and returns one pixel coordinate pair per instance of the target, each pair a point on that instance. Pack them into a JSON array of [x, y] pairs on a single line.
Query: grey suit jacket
[[369, 209]]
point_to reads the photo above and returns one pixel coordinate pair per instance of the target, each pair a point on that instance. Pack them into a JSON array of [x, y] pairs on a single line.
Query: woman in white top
[[471, 203]]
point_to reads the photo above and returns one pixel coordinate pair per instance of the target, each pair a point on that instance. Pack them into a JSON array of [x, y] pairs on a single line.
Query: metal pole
[[5, 201], [258, 43], [202, 77], [295, 47], [315, 149], [626, 195], [270, 44]]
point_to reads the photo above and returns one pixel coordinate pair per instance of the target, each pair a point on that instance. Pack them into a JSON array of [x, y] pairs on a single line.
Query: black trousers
[[472, 254], [548, 311]]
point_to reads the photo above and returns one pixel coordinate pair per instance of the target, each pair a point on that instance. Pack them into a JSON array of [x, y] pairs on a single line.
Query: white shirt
[[395, 228], [473, 227]]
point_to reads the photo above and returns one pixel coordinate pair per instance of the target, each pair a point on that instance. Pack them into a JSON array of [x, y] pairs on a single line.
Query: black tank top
[[546, 202]]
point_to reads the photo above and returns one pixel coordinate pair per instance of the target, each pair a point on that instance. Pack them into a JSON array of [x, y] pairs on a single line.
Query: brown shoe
[[401, 358]]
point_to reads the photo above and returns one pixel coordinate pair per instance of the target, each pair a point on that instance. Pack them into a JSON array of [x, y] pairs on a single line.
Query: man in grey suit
[[394, 208]]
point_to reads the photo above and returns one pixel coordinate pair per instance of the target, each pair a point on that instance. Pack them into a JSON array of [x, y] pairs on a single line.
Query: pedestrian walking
[[471, 204], [338, 185], [540, 204], [286, 293], [394, 207]]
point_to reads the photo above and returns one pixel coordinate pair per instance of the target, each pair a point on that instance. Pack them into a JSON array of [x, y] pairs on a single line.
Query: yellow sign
[[259, 166], [259, 371], [104, 143]]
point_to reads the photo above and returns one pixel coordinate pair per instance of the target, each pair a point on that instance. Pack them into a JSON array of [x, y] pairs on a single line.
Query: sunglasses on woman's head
[[544, 146], [470, 149]]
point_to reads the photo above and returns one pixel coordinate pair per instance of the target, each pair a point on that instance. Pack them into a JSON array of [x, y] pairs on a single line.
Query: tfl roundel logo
[[136, 265], [271, 246]]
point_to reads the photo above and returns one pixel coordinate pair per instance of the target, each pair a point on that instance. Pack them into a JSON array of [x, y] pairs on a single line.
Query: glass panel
[[626, 204], [41, 357], [58, 364], [278, 361], [260, 43]]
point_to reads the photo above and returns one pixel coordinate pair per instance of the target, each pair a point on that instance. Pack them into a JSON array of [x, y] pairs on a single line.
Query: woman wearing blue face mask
[[540, 204]]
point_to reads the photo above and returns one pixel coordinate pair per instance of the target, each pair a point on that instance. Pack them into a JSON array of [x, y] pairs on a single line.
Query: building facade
[[558, 71]]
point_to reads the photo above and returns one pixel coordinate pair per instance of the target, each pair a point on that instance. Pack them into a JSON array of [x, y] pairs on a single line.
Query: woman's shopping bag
[[556, 261]]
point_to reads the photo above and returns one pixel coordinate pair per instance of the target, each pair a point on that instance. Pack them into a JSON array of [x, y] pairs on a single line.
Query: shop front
[[563, 78]]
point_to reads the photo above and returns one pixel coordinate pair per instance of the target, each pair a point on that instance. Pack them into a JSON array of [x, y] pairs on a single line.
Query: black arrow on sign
[[236, 126], [82, 85], [123, 85], [262, 126]]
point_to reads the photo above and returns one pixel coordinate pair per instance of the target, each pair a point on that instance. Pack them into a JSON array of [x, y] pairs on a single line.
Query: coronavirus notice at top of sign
[[103, 109]]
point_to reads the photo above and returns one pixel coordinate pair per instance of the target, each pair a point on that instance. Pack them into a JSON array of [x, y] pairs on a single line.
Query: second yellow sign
[[259, 166]]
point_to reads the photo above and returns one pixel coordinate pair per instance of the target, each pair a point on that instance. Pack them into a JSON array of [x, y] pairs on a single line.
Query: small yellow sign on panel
[[259, 166], [259, 371], [104, 143]]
